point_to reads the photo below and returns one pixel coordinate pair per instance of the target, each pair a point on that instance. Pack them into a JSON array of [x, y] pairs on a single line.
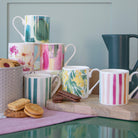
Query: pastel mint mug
[[36, 28]]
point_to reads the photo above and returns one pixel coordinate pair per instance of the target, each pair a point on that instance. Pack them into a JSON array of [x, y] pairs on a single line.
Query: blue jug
[[118, 47]]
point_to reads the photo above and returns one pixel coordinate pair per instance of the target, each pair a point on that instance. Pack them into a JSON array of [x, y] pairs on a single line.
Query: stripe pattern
[[38, 90], [108, 132], [114, 88]]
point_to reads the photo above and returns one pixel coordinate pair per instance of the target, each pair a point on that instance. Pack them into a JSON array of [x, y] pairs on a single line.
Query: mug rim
[[37, 15], [37, 75], [114, 71], [22, 43], [75, 67], [52, 43]]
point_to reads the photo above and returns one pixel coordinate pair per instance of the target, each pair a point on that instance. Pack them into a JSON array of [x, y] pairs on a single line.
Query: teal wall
[[81, 22]]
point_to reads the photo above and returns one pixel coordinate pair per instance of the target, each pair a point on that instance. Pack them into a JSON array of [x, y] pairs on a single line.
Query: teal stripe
[[42, 92], [35, 92], [49, 88], [29, 89], [25, 88], [46, 91]]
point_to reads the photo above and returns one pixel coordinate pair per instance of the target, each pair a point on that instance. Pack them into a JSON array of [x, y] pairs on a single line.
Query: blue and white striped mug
[[38, 87]]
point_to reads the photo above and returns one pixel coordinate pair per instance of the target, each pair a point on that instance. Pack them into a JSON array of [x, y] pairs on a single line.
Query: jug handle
[[136, 65], [135, 90]]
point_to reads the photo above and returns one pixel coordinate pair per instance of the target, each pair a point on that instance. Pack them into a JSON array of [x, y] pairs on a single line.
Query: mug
[[24, 54], [36, 28], [75, 80], [52, 55], [114, 86], [38, 87]]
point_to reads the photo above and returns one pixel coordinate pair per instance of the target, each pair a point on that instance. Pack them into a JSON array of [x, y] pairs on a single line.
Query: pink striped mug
[[114, 86]]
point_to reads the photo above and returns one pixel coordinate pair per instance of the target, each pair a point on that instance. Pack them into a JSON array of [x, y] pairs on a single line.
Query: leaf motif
[[79, 92], [68, 88], [84, 77], [73, 83], [71, 75], [75, 91], [74, 75], [78, 87]]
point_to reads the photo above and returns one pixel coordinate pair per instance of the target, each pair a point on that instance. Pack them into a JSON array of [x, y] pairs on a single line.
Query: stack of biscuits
[[23, 108]]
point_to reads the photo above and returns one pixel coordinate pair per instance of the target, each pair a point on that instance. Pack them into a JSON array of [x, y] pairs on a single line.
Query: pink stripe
[[120, 88], [108, 88], [103, 94], [114, 89]]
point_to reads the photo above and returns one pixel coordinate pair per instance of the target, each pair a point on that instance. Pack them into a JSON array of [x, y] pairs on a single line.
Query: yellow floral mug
[[75, 80]]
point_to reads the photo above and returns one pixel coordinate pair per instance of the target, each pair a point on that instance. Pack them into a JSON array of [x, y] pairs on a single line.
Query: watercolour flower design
[[26, 69], [14, 50], [75, 82], [21, 62]]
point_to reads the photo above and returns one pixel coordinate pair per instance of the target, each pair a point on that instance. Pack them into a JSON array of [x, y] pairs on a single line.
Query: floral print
[[14, 50], [23, 53], [75, 81]]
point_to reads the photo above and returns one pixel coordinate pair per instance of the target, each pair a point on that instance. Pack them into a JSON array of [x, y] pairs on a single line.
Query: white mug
[[36, 28], [114, 86], [38, 87], [75, 80], [52, 55], [24, 54]]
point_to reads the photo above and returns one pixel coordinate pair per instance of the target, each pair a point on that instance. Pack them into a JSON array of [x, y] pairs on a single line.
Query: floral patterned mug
[[24, 53], [75, 80]]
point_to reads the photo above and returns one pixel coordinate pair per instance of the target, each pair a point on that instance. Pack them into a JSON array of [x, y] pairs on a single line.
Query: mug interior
[[75, 68], [33, 75], [114, 71]]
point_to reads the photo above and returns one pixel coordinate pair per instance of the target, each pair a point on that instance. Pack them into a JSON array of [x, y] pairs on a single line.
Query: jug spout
[[107, 40]]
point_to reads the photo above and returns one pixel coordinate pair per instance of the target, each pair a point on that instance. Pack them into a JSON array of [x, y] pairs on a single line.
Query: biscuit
[[34, 109], [6, 64], [15, 114], [69, 96], [16, 63], [31, 115], [57, 98], [61, 96], [18, 104], [2, 59]]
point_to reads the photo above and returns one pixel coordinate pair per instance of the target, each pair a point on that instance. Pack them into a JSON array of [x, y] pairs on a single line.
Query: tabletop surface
[[96, 127]]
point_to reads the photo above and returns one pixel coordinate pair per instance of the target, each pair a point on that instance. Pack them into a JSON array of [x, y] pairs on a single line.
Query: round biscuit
[[34, 109], [6, 63], [31, 115]]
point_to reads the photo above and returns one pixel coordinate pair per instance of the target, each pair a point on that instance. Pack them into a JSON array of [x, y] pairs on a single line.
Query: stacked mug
[[40, 59]]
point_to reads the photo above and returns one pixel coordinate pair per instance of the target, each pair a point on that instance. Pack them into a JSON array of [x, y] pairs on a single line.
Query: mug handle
[[74, 52], [90, 75], [57, 86], [130, 78], [23, 22]]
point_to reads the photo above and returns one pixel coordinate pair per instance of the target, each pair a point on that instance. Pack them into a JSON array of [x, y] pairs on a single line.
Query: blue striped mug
[[38, 87]]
